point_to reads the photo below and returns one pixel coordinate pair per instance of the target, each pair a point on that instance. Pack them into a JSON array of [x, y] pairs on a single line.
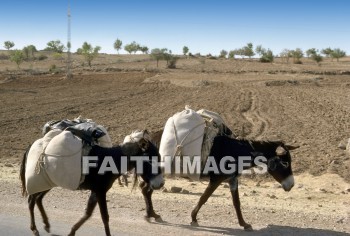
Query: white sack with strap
[[182, 136], [63, 160], [54, 160]]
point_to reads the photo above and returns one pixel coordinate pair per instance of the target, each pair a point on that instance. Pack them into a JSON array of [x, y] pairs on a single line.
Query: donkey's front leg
[[237, 204], [147, 195], [102, 203], [88, 212]]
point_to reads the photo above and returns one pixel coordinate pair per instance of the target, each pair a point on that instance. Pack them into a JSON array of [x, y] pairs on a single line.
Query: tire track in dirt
[[251, 113]]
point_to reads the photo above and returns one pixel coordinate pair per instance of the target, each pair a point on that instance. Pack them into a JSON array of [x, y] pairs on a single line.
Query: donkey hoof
[[148, 219], [159, 219], [36, 233], [248, 227], [194, 223], [47, 229]]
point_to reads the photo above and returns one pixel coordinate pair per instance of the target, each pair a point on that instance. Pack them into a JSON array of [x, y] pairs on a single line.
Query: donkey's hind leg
[[31, 205], [39, 203], [213, 184]]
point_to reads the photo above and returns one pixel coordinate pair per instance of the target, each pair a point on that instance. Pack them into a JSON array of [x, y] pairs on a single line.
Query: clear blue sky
[[203, 26]]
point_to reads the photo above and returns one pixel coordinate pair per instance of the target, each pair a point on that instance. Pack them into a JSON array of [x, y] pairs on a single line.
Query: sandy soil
[[301, 104]]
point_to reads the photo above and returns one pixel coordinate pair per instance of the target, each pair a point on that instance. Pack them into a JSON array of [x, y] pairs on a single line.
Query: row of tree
[[265, 55]]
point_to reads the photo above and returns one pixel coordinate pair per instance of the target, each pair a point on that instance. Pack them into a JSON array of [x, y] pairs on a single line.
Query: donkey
[[278, 163], [99, 184]]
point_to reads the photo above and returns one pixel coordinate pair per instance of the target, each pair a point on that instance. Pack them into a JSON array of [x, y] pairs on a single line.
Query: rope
[[179, 147], [41, 162]]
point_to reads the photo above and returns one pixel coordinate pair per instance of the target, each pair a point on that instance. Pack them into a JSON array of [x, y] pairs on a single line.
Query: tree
[[9, 44], [310, 52], [29, 51], [317, 58], [223, 53], [144, 49], [17, 57], [266, 55], [235, 52], [285, 55], [297, 54], [55, 46], [327, 52], [160, 54], [248, 50], [32, 50], [132, 47], [25, 51], [338, 53], [118, 45], [89, 52], [231, 54], [185, 50]]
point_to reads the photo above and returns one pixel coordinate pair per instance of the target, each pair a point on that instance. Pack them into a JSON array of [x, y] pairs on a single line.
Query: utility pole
[[69, 62]]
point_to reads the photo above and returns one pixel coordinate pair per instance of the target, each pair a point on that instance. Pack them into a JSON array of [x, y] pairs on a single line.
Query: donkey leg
[[147, 196], [39, 203], [102, 203], [90, 208], [31, 205], [237, 204], [213, 184]]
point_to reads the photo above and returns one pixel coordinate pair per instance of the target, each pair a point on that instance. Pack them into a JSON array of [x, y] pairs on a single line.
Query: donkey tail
[[23, 172]]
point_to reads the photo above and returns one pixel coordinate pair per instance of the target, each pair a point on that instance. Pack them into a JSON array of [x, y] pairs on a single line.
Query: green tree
[[9, 44], [89, 52], [327, 52], [311, 52], [32, 50], [132, 47], [297, 54], [144, 49], [185, 50], [236, 52], [231, 54], [25, 51], [160, 54], [55, 46], [266, 55], [223, 53], [317, 58], [29, 51], [17, 57], [338, 53], [118, 45], [248, 50]]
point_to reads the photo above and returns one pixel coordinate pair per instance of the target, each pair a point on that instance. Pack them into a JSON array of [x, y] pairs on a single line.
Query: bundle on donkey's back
[[55, 160]]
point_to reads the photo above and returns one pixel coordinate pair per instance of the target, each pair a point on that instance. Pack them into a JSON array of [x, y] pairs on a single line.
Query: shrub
[[172, 62]]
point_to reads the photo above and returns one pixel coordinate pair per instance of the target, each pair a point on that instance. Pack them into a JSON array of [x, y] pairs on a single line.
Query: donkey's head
[[144, 155], [279, 165]]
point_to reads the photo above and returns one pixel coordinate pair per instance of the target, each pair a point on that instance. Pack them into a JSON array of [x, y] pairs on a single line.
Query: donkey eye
[[284, 164]]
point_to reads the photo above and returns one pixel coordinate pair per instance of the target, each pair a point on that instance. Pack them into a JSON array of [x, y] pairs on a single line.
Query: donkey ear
[[291, 147], [280, 151], [143, 143]]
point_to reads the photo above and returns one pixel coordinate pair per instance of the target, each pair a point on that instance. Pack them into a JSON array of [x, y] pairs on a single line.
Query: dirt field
[[306, 104]]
